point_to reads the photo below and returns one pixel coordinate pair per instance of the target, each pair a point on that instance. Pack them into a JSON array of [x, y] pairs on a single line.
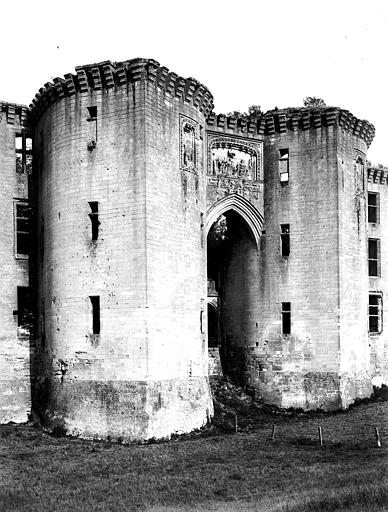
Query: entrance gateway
[[232, 266]]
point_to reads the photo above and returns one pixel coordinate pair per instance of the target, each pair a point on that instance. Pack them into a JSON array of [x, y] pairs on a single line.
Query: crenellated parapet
[[108, 75], [13, 113], [292, 119], [378, 174]]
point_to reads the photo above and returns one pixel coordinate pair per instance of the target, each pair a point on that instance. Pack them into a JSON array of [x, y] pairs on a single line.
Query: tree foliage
[[313, 101], [254, 111]]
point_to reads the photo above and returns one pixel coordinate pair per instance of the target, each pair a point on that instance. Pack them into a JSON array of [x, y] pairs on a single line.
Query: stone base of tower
[[127, 410], [325, 391]]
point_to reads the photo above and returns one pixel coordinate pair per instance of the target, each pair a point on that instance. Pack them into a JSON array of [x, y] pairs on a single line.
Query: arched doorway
[[233, 286]]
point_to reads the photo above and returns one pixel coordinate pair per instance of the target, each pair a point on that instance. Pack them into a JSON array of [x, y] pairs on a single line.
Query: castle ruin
[[147, 242]]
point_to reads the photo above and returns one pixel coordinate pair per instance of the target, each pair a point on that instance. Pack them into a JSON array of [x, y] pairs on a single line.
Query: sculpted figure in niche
[[188, 146]]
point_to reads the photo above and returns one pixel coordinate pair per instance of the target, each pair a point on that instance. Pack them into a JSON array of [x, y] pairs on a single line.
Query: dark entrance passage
[[233, 291], [213, 330]]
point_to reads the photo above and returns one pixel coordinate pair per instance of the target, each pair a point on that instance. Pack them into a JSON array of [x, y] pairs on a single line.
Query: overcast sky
[[246, 52]]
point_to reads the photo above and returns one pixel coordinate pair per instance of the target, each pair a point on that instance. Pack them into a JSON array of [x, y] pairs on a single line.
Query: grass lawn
[[215, 470]]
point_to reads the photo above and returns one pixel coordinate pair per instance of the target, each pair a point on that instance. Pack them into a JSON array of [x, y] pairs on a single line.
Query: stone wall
[[15, 401], [378, 342]]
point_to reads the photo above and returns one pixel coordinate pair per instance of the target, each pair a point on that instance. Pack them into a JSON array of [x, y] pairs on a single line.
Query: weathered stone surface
[[136, 151]]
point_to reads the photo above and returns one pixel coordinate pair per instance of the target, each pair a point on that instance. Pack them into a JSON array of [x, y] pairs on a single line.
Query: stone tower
[[121, 279], [291, 293]]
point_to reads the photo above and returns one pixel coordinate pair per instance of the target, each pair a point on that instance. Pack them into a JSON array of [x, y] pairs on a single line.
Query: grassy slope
[[211, 471]]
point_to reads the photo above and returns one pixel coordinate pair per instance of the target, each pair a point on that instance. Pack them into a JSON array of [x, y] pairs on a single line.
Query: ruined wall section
[[118, 382], [378, 342], [15, 396]]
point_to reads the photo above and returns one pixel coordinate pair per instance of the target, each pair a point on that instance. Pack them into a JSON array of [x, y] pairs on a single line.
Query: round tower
[[121, 271]]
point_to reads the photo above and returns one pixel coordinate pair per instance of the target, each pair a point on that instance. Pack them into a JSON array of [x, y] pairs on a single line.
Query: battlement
[[13, 113], [280, 121], [106, 75], [378, 174]]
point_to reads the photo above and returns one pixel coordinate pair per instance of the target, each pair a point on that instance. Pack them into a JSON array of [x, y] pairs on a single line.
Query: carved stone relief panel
[[235, 165], [359, 172], [190, 145]]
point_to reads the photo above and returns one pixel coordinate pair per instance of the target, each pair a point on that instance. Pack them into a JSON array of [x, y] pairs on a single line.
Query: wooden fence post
[[377, 433], [320, 435]]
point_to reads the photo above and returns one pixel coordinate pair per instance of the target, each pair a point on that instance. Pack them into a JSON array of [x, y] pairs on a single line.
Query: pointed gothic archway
[[239, 204], [233, 278]]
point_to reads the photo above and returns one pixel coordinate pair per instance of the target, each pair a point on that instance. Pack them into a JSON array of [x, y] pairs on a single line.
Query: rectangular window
[[23, 153], [22, 229], [374, 257], [93, 215], [284, 166], [286, 318], [92, 113], [92, 128], [24, 307], [374, 207], [95, 301], [285, 240], [375, 313]]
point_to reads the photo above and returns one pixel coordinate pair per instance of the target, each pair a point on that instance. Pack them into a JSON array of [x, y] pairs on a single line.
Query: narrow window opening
[[286, 318], [285, 240], [93, 215], [375, 313], [284, 166], [18, 142], [24, 308], [23, 153], [22, 229], [374, 257], [373, 207], [95, 301], [42, 240], [19, 152], [92, 113]]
